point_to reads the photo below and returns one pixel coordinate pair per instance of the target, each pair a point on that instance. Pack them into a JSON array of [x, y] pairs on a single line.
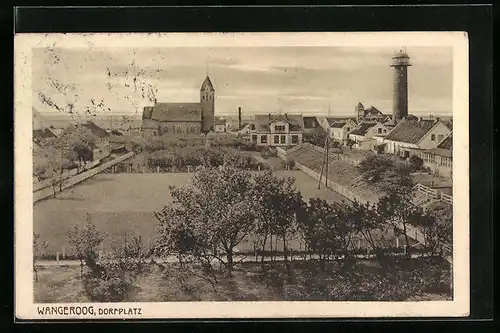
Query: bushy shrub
[[416, 162], [110, 285]]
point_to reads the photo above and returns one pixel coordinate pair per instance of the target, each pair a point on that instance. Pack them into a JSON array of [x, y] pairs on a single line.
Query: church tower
[[360, 112], [207, 101]]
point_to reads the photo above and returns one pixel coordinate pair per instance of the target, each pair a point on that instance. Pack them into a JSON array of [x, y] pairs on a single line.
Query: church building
[[181, 118]]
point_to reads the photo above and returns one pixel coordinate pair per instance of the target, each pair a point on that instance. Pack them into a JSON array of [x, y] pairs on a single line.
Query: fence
[[352, 196], [48, 191], [37, 185]]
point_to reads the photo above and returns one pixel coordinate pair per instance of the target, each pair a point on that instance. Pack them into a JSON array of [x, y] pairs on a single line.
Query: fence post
[[57, 258], [157, 169], [63, 252], [397, 242]]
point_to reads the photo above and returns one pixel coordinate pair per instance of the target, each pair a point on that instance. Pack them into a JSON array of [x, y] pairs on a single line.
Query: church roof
[[176, 112], [208, 82]]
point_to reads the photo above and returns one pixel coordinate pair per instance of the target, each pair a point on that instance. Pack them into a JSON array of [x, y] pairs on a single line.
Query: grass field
[[125, 203]]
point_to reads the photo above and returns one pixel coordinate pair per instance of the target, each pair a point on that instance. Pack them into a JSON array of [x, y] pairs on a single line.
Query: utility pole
[[324, 164]]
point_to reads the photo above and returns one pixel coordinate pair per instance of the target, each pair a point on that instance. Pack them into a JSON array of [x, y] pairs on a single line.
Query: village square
[[186, 203]]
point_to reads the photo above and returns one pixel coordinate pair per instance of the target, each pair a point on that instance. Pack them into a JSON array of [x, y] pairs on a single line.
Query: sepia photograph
[[171, 170]]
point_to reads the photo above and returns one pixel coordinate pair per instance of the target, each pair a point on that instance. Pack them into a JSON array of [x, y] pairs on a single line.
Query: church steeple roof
[[207, 82]]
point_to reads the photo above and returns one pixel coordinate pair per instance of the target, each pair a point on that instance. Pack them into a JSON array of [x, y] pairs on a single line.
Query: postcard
[[241, 175]]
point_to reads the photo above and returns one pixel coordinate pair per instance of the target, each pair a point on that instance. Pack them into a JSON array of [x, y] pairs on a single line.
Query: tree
[[438, 228], [212, 217], [85, 242], [38, 248], [316, 137], [57, 158], [416, 162], [277, 202], [399, 211], [326, 229]]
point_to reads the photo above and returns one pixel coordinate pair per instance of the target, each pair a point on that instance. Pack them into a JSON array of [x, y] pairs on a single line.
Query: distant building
[[277, 130], [220, 125], [40, 136], [102, 140], [363, 136], [37, 120], [370, 114], [182, 118], [408, 135], [311, 123], [339, 130]]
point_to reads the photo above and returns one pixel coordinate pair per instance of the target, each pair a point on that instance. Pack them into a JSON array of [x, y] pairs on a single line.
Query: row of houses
[[41, 136]]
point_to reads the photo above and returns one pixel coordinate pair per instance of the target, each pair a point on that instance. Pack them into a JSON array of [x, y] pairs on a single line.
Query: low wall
[[47, 191], [281, 153]]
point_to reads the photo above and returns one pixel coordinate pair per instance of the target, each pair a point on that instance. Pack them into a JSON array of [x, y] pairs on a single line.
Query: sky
[[299, 80]]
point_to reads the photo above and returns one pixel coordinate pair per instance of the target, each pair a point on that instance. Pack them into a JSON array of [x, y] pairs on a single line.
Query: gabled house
[[41, 135], [361, 135], [102, 149], [440, 159], [409, 135], [339, 130], [277, 130]]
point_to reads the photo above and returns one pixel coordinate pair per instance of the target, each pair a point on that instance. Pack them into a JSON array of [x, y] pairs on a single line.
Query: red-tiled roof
[[176, 112], [362, 128], [447, 143], [96, 130], [410, 131]]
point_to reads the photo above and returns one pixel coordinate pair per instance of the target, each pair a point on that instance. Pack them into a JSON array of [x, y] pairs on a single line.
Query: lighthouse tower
[[400, 63]]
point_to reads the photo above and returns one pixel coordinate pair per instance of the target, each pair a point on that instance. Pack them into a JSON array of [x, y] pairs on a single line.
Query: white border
[[26, 309]]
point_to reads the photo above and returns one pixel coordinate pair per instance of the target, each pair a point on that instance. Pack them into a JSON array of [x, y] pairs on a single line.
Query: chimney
[[239, 117]]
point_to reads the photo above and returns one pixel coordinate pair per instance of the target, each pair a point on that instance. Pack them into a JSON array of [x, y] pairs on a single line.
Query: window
[[440, 137], [379, 131], [279, 127], [276, 139], [348, 129], [385, 131], [165, 129], [254, 138], [263, 139], [283, 139], [433, 137], [295, 139]]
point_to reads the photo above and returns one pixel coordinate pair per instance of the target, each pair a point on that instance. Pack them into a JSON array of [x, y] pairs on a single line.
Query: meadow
[[120, 204]]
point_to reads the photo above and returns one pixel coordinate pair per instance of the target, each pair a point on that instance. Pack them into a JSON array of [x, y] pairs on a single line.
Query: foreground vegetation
[[209, 219]]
